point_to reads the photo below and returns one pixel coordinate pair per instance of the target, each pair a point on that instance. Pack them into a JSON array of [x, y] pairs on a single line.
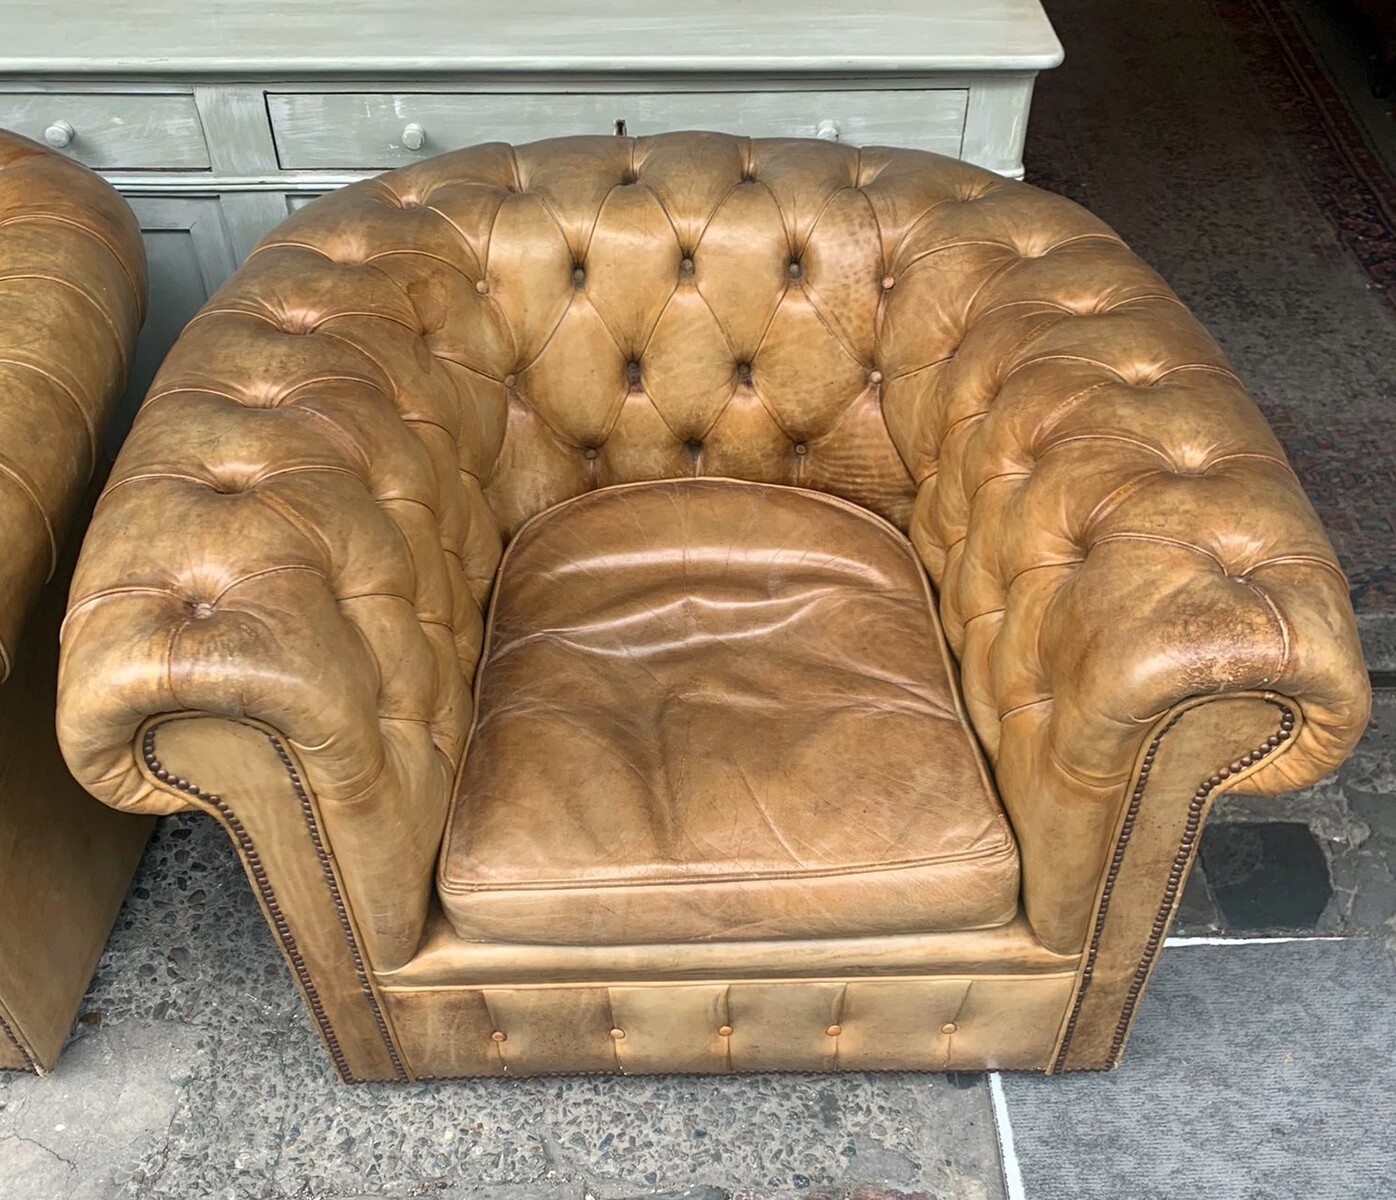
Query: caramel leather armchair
[[72, 294], [695, 604]]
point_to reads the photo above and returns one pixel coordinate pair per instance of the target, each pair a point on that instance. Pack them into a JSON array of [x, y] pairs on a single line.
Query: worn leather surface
[[72, 296], [941, 1023], [72, 292], [1154, 843], [444, 959], [65, 859], [712, 709], [305, 524]]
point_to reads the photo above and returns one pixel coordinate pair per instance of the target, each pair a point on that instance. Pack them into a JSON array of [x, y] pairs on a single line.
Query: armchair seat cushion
[[715, 710]]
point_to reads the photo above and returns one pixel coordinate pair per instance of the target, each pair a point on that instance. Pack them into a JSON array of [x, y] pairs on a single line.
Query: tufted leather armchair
[[72, 294], [525, 557]]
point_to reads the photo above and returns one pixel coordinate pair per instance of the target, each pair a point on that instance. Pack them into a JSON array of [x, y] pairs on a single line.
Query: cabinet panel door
[[189, 251]]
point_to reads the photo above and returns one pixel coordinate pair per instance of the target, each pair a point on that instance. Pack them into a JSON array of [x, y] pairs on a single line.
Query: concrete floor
[[195, 1073]]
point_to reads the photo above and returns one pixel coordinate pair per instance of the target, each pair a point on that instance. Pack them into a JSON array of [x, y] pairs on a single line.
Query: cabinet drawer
[[363, 130], [112, 132]]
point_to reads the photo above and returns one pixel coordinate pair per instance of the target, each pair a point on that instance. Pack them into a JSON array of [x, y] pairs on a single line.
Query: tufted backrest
[[72, 291], [610, 310], [408, 369]]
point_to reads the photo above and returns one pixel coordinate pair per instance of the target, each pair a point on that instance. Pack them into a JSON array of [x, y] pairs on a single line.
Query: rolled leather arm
[[72, 295], [1112, 527], [290, 537]]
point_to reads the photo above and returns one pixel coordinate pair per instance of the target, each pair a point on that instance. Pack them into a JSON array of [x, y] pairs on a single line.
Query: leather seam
[[1007, 848], [96, 235], [273, 905], [736, 979], [1171, 888], [1186, 843]]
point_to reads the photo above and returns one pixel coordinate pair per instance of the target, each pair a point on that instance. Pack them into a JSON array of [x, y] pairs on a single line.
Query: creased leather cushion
[[712, 709]]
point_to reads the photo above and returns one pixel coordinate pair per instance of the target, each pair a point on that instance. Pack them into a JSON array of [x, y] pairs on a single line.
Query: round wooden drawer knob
[[414, 137], [59, 134], [828, 131]]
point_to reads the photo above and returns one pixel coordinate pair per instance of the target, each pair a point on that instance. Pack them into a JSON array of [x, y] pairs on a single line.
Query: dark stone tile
[[1197, 911], [1266, 875], [1353, 815]]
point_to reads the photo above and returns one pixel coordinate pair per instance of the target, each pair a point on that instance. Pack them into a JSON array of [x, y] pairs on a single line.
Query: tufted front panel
[[305, 522], [918, 1023], [72, 291]]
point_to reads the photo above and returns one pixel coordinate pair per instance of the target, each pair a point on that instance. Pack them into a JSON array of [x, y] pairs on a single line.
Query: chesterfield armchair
[[72, 294], [699, 604]]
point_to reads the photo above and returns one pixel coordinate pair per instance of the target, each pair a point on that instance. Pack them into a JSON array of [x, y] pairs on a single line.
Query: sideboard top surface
[[375, 37]]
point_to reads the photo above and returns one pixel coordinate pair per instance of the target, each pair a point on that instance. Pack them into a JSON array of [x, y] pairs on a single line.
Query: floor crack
[[49, 1150]]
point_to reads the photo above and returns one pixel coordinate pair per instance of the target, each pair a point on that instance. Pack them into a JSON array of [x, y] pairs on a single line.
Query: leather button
[[481, 286], [632, 371], [499, 1036], [590, 452], [618, 1035], [724, 1031], [834, 1030], [949, 1027], [801, 448], [686, 266], [889, 282], [874, 376], [201, 611], [693, 445], [579, 276], [795, 270], [744, 372], [510, 380]]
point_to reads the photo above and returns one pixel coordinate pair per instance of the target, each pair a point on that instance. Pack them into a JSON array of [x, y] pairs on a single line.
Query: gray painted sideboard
[[217, 120]]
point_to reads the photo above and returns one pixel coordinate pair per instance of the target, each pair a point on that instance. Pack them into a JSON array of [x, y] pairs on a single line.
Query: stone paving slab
[[1255, 1072]]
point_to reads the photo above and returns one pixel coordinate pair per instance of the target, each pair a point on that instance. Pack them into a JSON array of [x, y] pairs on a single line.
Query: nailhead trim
[[29, 1063], [279, 922], [1136, 988], [1175, 879]]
